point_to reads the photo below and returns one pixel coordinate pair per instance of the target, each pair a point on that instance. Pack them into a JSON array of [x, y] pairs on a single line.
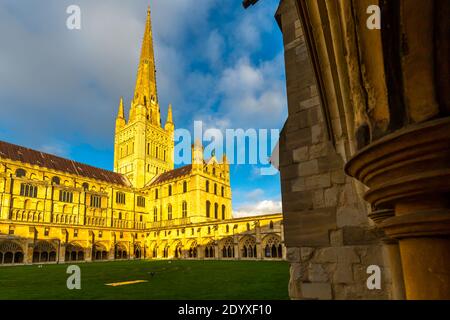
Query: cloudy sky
[[216, 62]]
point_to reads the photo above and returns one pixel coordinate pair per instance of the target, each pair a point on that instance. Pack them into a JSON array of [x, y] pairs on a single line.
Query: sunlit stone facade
[[57, 210]]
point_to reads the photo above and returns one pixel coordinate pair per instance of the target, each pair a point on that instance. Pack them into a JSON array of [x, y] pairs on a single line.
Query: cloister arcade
[[245, 247]]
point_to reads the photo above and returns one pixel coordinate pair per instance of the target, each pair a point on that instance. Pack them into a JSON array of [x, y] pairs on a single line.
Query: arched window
[[248, 247], [223, 192], [85, 186], [223, 212], [56, 181], [227, 228], [192, 253], [248, 226], [215, 188], [120, 215], [155, 214], [207, 186], [216, 211], [184, 209], [209, 250], [170, 190], [208, 209], [228, 248], [214, 171], [184, 187], [156, 194], [272, 246], [271, 225], [169, 212], [166, 252], [20, 173]]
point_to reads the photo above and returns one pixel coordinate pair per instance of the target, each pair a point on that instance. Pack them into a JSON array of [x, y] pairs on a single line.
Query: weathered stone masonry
[[330, 241]]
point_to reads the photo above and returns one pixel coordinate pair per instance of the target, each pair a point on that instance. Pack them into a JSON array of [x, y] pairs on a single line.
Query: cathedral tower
[[143, 149]]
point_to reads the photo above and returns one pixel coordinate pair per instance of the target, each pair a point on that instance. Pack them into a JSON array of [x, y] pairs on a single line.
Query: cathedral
[[55, 210]]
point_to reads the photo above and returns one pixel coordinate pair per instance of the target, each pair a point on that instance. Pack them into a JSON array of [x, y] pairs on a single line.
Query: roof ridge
[[71, 165]]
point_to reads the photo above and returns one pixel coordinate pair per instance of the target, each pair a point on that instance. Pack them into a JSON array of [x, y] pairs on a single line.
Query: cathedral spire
[[120, 120], [145, 93], [121, 113], [169, 123], [169, 115]]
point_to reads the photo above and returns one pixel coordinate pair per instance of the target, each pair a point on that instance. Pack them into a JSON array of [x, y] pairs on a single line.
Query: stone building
[[57, 210], [365, 152]]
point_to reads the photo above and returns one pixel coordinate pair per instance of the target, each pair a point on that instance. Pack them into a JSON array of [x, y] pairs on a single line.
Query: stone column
[[62, 253], [28, 251], [409, 170], [391, 254], [237, 254]]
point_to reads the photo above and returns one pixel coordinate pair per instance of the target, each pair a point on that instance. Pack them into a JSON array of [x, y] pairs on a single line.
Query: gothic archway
[[74, 252], [227, 248], [44, 251], [10, 253], [248, 247], [272, 247]]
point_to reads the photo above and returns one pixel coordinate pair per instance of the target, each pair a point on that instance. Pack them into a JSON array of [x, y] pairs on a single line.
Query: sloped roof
[[170, 175], [49, 161]]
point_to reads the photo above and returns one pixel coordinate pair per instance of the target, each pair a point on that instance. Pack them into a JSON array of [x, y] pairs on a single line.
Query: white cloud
[[253, 95], [263, 207], [255, 194], [66, 84]]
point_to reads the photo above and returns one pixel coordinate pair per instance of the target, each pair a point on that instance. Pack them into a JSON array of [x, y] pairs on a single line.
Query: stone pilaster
[[410, 171]]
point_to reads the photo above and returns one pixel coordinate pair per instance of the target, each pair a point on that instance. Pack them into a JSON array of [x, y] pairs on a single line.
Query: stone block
[[318, 199], [317, 134], [318, 150], [299, 138], [298, 185], [331, 196], [350, 216], [314, 101], [309, 228], [347, 255], [321, 291], [289, 172], [318, 181], [356, 235], [297, 201], [325, 255], [301, 154], [294, 289], [338, 176], [316, 273], [293, 254], [308, 168], [331, 162], [336, 238], [306, 253], [343, 274]]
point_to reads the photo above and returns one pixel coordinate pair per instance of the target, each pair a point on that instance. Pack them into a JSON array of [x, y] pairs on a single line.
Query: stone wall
[[330, 241]]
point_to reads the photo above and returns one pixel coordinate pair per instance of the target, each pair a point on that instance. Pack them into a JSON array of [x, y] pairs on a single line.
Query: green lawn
[[171, 280]]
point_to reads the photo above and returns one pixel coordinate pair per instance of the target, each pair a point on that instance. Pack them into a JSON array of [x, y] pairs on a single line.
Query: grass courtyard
[[171, 280]]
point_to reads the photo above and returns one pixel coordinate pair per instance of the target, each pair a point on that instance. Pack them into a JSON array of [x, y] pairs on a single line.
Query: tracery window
[[28, 190]]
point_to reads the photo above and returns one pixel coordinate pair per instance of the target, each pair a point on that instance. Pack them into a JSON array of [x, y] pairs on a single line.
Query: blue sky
[[216, 62]]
